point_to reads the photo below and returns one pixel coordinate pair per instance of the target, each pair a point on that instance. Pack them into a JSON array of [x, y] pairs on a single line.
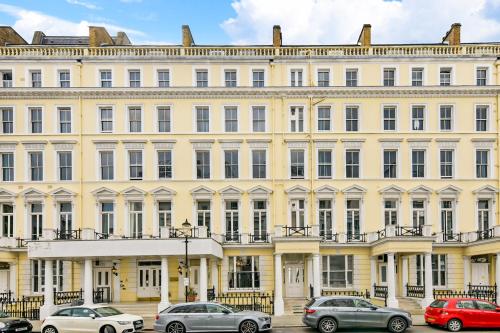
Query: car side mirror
[[92, 315]]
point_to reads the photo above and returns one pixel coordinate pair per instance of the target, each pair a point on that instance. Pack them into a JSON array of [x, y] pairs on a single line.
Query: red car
[[458, 313]]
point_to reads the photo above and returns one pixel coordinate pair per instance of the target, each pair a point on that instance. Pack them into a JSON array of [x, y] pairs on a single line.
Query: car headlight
[[262, 318], [124, 322], [2, 325]]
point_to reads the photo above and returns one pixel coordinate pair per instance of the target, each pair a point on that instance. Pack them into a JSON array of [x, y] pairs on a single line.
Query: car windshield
[[232, 308], [3, 315], [107, 311]]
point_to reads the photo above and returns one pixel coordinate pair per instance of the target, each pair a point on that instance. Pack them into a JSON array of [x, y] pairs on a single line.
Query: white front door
[[294, 280], [382, 274], [148, 285], [4, 281], [480, 273], [102, 281], [194, 278]]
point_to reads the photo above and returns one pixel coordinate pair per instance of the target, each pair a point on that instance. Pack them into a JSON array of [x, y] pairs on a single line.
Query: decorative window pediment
[[486, 192], [297, 191], [449, 191], [7, 195], [354, 191], [104, 193], [259, 192], [202, 192], [230, 192], [420, 191], [133, 193], [62, 194], [31, 194], [162, 193]]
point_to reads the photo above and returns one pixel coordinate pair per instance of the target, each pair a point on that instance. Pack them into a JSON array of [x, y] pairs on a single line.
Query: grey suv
[[210, 317], [329, 313]]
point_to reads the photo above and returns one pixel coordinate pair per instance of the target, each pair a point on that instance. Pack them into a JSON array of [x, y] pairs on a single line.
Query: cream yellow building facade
[[300, 168]]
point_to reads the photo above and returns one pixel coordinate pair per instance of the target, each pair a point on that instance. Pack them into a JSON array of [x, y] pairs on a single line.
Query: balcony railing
[[101, 235], [21, 243], [7, 83], [381, 292], [356, 238], [485, 234], [180, 233], [259, 238], [68, 234], [297, 231], [452, 237], [232, 237], [329, 236]]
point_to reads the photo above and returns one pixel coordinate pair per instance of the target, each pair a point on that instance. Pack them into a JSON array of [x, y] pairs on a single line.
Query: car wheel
[[327, 325], [175, 327], [397, 325], [50, 329], [454, 325], [248, 326], [108, 329]]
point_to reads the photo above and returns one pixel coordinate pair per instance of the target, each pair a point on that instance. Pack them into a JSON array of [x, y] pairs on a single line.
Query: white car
[[93, 318]]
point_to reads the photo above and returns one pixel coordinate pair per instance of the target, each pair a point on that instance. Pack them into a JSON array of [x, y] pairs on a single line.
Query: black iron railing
[[232, 237], [67, 297], [329, 236], [180, 233], [27, 307], [259, 238], [381, 292], [415, 291], [297, 231], [488, 293], [356, 238], [21, 242], [484, 234], [402, 231], [68, 234], [452, 237], [255, 301], [101, 235], [357, 293], [6, 296]]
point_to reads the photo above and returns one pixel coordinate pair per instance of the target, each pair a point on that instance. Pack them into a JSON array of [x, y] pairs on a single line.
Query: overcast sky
[[251, 21]]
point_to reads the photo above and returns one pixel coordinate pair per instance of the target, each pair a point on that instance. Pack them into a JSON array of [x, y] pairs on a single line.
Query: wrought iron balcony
[[68, 234]]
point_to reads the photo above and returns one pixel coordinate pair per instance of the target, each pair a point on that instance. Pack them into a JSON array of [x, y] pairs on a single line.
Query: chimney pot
[[277, 37], [452, 36]]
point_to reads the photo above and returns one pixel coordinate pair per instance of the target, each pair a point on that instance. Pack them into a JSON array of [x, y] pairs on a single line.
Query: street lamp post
[[186, 229]]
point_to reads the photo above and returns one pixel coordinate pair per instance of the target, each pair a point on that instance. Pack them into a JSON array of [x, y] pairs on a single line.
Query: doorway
[[480, 273], [294, 279], [149, 278], [102, 282]]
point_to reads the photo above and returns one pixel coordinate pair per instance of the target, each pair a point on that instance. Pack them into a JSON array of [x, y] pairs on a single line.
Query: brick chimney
[[452, 37], [9, 36], [187, 37], [365, 37], [98, 36], [277, 38]]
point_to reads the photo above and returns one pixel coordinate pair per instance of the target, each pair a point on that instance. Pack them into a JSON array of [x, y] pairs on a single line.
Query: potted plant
[[191, 295]]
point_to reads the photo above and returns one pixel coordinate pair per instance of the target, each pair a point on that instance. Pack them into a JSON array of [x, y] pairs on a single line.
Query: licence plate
[[431, 319], [20, 329]]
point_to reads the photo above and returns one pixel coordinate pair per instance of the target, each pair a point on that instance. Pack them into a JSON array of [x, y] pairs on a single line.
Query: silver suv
[[210, 317], [329, 313]]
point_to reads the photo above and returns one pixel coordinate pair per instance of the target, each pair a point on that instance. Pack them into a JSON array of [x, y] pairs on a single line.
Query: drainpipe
[[80, 137]]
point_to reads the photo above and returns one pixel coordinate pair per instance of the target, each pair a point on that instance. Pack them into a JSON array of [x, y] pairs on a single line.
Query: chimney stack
[[38, 37], [452, 37], [277, 40], [98, 36], [9, 36], [365, 37], [122, 39], [187, 37]]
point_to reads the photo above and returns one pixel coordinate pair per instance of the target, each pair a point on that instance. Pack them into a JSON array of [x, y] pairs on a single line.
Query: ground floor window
[[38, 275], [439, 263], [337, 271], [244, 272]]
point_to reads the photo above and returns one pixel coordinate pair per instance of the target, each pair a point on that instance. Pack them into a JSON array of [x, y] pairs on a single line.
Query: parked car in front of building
[[458, 313], [92, 318], [10, 324], [329, 313], [210, 317]]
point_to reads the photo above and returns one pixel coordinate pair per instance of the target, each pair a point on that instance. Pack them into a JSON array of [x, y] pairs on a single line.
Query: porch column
[[316, 276], [404, 271], [310, 274], [215, 275], [48, 306], [88, 292], [497, 277], [13, 278], [164, 302], [428, 296], [373, 275], [203, 279], [391, 282], [279, 307], [467, 270]]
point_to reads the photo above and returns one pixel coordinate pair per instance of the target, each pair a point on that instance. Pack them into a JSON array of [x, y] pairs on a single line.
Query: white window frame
[[396, 117], [345, 106], [323, 69], [13, 108], [360, 155], [99, 163], [157, 121], [195, 118], [330, 107], [488, 115], [128, 151], [344, 75], [346, 270], [489, 166], [302, 69], [425, 114], [127, 117], [58, 166], [28, 119], [157, 164], [250, 75], [425, 208], [28, 166], [98, 77], [426, 162], [127, 76], [237, 107], [396, 75], [195, 78], [398, 162], [452, 76], [454, 162], [453, 117], [304, 119], [306, 166], [223, 164], [266, 150], [489, 73], [99, 119], [195, 167], [266, 120], [223, 76], [58, 118], [424, 75], [332, 152], [157, 78]]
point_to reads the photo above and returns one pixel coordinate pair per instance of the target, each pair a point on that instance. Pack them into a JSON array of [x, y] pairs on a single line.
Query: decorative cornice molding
[[242, 92]]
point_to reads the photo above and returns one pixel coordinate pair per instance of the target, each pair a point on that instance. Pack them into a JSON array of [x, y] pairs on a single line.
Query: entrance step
[[143, 309], [411, 305], [294, 305]]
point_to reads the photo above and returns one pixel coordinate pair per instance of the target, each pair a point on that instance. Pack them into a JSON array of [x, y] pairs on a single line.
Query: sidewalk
[[278, 322]]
